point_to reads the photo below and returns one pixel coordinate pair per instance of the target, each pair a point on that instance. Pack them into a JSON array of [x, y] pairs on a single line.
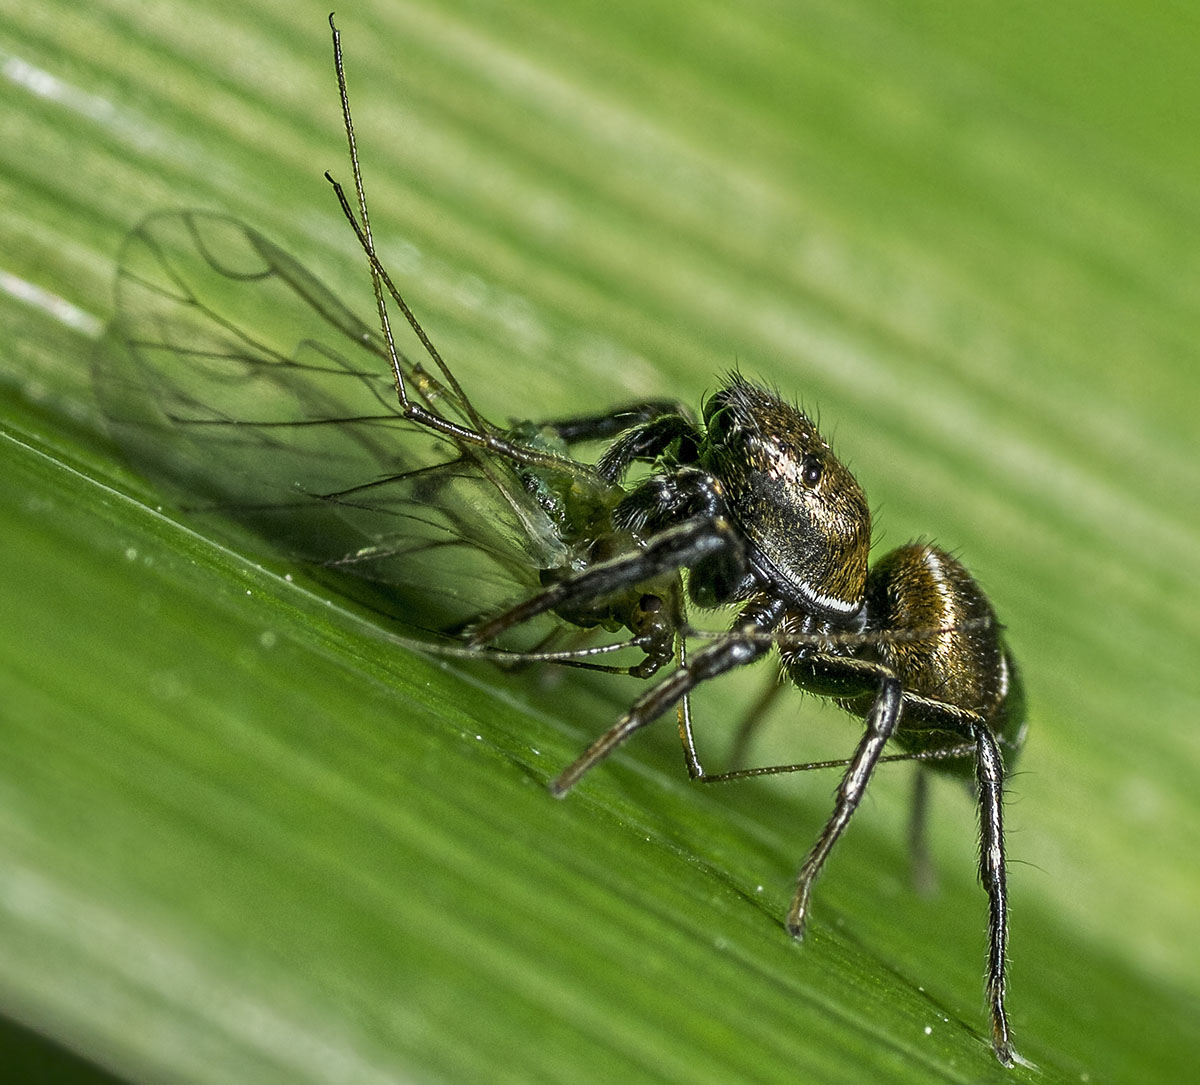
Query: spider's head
[[800, 508]]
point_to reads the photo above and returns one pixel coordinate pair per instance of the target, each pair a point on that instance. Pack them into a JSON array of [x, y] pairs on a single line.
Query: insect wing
[[232, 376]]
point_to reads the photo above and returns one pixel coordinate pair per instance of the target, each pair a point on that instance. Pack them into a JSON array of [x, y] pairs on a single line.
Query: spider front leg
[[665, 553], [673, 521], [603, 427], [745, 643], [643, 432]]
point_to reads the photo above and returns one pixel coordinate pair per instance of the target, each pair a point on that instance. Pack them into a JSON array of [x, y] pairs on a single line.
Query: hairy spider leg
[[602, 427], [744, 644], [696, 771], [924, 878], [667, 552], [883, 719], [823, 673], [989, 771]]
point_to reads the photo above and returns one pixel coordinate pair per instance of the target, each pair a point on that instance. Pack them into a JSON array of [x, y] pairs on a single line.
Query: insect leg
[[482, 436]]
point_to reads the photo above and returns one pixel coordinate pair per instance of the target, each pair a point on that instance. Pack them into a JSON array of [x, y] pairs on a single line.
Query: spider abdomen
[[942, 639]]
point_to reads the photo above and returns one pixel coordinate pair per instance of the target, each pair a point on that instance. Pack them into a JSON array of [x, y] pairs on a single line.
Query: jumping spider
[[747, 507], [758, 511], [755, 507]]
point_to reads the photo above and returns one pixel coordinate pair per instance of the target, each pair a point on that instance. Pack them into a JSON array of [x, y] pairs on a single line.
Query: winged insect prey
[[249, 388], [237, 380]]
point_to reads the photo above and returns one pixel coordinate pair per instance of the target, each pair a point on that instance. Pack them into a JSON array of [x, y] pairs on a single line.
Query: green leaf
[[242, 837]]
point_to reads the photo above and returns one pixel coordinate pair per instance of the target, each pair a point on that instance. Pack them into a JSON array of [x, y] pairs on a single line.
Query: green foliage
[[242, 837]]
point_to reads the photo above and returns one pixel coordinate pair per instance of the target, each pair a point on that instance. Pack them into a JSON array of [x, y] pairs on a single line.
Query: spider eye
[[811, 469]]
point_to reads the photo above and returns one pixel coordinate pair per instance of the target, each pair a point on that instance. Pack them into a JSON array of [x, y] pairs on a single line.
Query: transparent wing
[[235, 378]]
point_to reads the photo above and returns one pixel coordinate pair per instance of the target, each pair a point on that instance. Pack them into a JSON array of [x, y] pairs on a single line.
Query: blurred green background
[[243, 838]]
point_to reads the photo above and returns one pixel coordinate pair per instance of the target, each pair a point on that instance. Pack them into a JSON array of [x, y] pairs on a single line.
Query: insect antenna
[[379, 276], [484, 434]]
